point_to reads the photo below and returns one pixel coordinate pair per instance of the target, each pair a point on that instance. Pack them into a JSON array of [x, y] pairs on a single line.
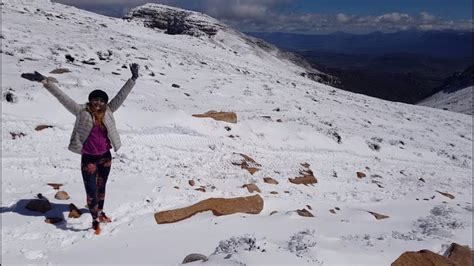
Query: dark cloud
[[277, 15]]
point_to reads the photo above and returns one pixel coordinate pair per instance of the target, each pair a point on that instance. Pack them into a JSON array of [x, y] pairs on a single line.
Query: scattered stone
[[361, 175], [273, 192], [306, 178], [270, 180], [422, 180], [279, 120], [116, 73], [91, 61], [304, 213], [378, 216], [55, 186], [39, 205], [16, 135], [191, 182], [286, 191], [332, 211], [252, 188], [10, 97], [218, 206], [229, 117], [53, 220], [201, 189], [69, 58], [74, 212], [176, 187], [273, 212], [337, 208], [194, 257], [60, 71], [309, 207], [175, 85], [446, 194], [61, 195], [248, 164], [41, 127]]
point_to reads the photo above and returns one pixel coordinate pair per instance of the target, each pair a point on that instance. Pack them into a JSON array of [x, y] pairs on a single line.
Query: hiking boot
[[103, 218], [96, 227]]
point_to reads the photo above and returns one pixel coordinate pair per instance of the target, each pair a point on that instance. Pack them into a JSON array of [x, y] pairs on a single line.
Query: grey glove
[[134, 69], [33, 76]]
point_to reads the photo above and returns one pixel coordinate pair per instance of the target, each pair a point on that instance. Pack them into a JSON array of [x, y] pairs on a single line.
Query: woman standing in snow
[[94, 134]]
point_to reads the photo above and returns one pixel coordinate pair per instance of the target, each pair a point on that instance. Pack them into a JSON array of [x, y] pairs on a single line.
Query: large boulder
[[229, 117], [422, 257], [218, 206], [194, 257], [462, 255]]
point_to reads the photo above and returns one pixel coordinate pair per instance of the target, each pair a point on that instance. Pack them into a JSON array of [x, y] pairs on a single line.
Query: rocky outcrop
[[194, 257], [174, 21], [218, 206]]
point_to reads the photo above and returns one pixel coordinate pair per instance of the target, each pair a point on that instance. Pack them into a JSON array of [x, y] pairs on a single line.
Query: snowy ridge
[[284, 120], [459, 101]]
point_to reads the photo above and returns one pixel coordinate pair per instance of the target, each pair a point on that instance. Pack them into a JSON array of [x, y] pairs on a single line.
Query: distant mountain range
[[428, 43], [405, 66]]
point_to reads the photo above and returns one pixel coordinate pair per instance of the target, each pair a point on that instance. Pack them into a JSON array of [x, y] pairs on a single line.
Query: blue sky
[[313, 16]]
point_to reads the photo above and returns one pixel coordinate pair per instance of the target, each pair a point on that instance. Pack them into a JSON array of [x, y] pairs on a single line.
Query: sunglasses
[[97, 100]]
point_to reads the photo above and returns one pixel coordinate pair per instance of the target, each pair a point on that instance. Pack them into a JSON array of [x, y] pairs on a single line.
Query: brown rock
[[270, 180], [286, 191], [39, 205], [304, 213], [248, 164], [201, 189], [274, 192], [55, 186], [53, 220], [306, 178], [229, 117], [60, 71], [176, 187], [252, 187], [74, 212], [218, 206], [332, 211], [305, 165], [41, 127], [378, 216], [360, 175], [309, 207], [422, 257], [191, 183], [446, 194], [462, 255], [61, 195]]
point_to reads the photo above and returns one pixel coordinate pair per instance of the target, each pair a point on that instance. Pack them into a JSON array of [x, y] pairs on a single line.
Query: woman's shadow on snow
[[57, 211]]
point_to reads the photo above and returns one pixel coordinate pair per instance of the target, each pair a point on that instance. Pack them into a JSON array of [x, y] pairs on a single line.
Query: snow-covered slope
[[458, 101], [408, 153]]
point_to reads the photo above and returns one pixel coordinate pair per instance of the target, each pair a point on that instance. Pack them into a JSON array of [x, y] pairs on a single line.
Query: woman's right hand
[[34, 76]]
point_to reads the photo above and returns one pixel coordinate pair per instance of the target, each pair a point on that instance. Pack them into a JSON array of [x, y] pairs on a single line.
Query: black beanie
[[98, 94]]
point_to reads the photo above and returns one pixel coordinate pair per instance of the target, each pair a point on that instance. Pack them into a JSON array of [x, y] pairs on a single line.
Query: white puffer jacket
[[84, 120]]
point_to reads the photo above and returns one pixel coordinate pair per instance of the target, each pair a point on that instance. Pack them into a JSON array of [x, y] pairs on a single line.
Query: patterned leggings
[[95, 171]]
